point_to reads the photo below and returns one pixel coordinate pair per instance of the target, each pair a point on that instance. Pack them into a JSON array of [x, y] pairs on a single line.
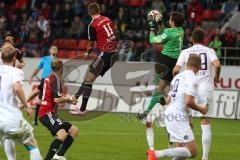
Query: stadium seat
[[216, 14], [71, 43], [82, 44], [207, 15], [72, 54], [61, 43], [61, 54], [136, 3]]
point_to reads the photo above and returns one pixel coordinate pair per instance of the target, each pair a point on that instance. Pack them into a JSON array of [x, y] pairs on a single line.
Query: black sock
[[53, 149], [87, 90], [65, 145], [80, 91], [36, 114]]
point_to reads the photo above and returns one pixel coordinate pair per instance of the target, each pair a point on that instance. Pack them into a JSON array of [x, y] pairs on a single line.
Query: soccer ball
[[154, 15]]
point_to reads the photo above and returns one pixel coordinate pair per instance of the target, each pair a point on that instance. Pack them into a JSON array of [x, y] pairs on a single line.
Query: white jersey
[[8, 101], [182, 84], [206, 73]]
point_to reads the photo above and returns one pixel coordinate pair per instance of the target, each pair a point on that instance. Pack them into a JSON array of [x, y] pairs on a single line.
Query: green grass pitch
[[116, 136]]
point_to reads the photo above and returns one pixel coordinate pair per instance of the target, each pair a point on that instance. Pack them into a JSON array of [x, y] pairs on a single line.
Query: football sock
[[206, 140], [53, 149], [80, 91], [155, 99], [65, 145], [9, 148], [179, 152], [36, 114], [150, 138], [35, 154], [87, 90]]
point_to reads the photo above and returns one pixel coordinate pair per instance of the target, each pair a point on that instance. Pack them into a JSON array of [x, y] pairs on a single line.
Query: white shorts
[[205, 97], [157, 115], [179, 131], [17, 130]]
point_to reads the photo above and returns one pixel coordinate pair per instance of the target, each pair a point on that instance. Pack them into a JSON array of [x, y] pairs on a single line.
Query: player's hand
[[216, 79], [29, 111], [73, 100], [152, 25], [20, 65], [203, 109], [142, 116], [148, 93], [30, 81]]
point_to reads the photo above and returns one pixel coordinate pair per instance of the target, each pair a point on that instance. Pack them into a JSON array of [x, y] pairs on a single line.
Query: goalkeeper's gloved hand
[[142, 116], [152, 25]]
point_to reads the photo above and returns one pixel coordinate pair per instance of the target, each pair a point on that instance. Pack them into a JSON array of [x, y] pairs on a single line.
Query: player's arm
[[33, 94], [17, 87], [92, 37], [180, 62], [157, 39], [36, 70], [217, 65], [58, 98], [20, 59], [189, 101]]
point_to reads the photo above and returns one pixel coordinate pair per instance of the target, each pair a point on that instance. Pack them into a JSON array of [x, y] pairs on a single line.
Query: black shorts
[[170, 64], [103, 63], [40, 88], [54, 124]]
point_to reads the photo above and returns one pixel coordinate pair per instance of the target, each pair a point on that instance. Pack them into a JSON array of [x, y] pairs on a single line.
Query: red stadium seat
[[60, 43], [82, 44], [216, 14], [72, 54], [136, 3], [207, 15], [61, 54], [71, 43]]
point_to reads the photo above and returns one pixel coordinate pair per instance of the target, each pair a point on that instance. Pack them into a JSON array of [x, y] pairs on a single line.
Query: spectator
[[23, 34], [228, 38], [159, 5], [77, 28], [3, 8], [42, 23], [14, 24], [45, 10], [24, 18], [3, 23], [238, 41], [56, 16], [216, 44], [29, 23], [187, 41], [68, 15], [228, 7], [194, 11], [35, 14]]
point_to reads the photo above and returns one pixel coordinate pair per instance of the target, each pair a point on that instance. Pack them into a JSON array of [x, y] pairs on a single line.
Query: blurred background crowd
[[36, 24]]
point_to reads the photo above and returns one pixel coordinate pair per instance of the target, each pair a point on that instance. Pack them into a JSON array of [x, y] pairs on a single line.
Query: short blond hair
[[56, 64], [8, 53]]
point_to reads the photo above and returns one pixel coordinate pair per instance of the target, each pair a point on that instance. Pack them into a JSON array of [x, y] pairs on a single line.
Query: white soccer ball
[[154, 15]]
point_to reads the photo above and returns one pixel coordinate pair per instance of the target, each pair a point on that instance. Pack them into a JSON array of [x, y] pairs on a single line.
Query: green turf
[[117, 137]]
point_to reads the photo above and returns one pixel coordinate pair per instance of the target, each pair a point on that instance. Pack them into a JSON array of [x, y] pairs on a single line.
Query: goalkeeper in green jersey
[[172, 41]]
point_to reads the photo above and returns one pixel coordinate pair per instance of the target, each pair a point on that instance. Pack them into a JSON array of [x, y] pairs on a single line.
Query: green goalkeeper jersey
[[172, 40]]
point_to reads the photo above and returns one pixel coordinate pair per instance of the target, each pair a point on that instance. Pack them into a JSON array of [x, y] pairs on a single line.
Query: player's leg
[[86, 87], [9, 148], [206, 97], [33, 149], [187, 151], [61, 135], [72, 133], [206, 137], [35, 121]]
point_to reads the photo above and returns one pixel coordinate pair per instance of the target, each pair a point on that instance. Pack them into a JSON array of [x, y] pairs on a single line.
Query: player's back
[[8, 101], [182, 84], [104, 31], [206, 73]]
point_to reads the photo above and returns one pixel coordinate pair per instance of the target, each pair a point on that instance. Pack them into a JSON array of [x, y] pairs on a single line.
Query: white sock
[[9, 148], [206, 140], [179, 152], [35, 154], [150, 138]]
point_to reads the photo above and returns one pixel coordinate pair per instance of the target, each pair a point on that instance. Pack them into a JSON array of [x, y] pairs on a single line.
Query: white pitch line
[[135, 134]]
